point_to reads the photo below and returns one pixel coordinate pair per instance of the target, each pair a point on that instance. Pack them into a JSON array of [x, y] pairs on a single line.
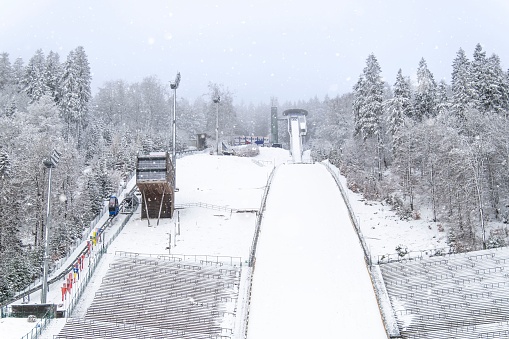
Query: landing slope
[[310, 280]]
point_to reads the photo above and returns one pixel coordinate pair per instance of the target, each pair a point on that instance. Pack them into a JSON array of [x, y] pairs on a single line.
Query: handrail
[[259, 218], [213, 207], [367, 256], [252, 256], [186, 257], [351, 214]]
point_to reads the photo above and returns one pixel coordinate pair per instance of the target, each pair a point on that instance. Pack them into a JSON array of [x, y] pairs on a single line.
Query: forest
[[418, 144]]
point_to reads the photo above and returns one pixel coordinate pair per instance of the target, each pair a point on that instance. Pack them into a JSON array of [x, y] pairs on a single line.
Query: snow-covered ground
[[230, 183], [310, 278]]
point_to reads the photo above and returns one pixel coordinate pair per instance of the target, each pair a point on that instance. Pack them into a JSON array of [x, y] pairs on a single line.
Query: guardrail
[[252, 258], [391, 331], [351, 214], [413, 255], [39, 327], [215, 207], [252, 252], [202, 258]]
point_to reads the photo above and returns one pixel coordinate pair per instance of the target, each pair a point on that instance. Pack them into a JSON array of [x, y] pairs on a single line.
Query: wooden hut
[[154, 178]]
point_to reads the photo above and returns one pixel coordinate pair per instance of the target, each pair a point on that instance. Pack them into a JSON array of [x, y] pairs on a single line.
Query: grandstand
[[162, 297], [454, 296]]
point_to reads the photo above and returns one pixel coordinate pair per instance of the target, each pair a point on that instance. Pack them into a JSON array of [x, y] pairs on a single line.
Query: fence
[[332, 170], [202, 258], [413, 255], [39, 327], [252, 252]]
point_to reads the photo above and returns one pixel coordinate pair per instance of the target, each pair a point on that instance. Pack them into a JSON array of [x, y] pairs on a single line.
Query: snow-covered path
[[310, 279]]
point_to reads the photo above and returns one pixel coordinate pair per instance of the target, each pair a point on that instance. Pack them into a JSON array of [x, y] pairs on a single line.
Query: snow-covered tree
[[6, 73], [461, 85], [75, 92], [34, 81], [53, 74], [398, 107], [425, 93], [442, 100]]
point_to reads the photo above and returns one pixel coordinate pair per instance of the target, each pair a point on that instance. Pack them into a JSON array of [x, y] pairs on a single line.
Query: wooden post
[[160, 208], [146, 207]]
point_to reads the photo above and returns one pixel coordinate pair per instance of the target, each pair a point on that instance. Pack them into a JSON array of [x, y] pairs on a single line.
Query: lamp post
[[174, 86], [216, 101], [50, 164]]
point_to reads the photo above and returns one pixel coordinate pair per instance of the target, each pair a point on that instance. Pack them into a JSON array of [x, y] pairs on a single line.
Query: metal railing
[[39, 327], [332, 170], [413, 255], [214, 207], [252, 252], [201, 258]]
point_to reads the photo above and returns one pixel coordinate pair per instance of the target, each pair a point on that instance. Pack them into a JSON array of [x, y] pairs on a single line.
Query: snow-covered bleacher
[[147, 297], [454, 296]]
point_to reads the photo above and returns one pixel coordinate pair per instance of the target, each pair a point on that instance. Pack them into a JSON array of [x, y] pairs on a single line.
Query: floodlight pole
[[217, 100], [50, 164], [174, 86]]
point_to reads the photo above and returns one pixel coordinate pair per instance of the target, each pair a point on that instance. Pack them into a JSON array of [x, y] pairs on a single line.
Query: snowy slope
[[296, 143], [310, 280]]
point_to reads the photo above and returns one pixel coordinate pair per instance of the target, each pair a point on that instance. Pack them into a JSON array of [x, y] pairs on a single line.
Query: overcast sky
[[289, 49]]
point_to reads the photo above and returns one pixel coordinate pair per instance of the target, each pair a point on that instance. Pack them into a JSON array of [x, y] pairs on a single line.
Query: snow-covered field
[[235, 183]]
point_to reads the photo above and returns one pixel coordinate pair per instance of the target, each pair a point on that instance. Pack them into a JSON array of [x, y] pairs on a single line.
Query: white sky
[[290, 49]]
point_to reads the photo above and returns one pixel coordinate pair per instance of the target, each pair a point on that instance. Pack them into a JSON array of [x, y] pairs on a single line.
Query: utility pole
[[174, 85], [216, 101], [50, 164]]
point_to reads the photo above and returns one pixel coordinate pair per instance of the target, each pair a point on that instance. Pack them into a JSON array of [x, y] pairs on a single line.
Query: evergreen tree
[[480, 83], [370, 114], [442, 100], [461, 85], [34, 81], [357, 104], [75, 92], [398, 107], [6, 72], [497, 93], [53, 74], [368, 109], [425, 93], [18, 73]]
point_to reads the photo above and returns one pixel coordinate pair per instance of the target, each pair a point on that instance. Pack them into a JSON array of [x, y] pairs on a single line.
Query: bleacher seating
[[454, 296], [143, 297]]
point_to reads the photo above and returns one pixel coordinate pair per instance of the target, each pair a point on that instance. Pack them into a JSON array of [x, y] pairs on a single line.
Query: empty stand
[[144, 297], [454, 296]]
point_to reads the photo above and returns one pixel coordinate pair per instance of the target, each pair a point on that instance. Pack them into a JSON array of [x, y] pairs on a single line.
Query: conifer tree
[[75, 92], [480, 84], [368, 109], [399, 106], [461, 85], [442, 100], [6, 73], [497, 93], [425, 93], [34, 82], [53, 74]]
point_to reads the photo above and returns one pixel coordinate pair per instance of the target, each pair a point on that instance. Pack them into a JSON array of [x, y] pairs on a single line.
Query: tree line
[[428, 146]]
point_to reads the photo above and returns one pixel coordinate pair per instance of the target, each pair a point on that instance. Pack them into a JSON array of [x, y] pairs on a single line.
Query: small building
[[154, 178]]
